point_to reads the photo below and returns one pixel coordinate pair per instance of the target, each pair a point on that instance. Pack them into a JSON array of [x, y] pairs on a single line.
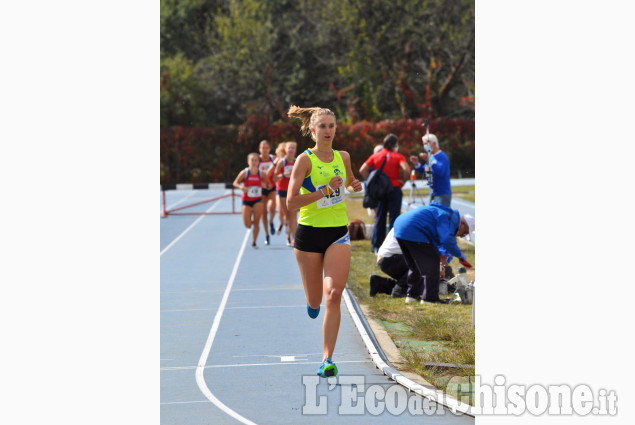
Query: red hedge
[[217, 154]]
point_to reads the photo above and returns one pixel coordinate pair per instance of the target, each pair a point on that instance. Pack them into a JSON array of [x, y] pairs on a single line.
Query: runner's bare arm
[[301, 169], [272, 171], [352, 184], [239, 179]]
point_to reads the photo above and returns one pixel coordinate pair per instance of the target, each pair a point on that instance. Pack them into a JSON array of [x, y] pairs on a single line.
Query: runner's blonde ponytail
[[308, 116]]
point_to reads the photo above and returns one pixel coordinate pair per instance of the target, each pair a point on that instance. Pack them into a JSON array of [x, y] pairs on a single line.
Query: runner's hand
[[356, 185], [336, 182]]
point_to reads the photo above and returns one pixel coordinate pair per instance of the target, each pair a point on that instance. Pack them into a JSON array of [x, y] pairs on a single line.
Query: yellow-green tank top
[[328, 211]]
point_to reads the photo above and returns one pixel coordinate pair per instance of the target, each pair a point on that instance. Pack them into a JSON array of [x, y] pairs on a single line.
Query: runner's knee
[[333, 296]]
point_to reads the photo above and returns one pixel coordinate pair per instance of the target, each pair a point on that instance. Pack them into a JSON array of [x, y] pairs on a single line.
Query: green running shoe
[[327, 368]]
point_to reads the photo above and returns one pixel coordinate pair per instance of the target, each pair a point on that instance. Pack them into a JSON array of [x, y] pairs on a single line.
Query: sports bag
[[378, 186]]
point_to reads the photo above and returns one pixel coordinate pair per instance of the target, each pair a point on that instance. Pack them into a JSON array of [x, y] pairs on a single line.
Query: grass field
[[428, 333], [356, 211]]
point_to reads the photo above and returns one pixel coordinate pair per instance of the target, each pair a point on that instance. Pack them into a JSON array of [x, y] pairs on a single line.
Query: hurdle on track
[[204, 186]]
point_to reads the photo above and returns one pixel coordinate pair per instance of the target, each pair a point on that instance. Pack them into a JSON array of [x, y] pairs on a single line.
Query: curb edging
[[381, 361]]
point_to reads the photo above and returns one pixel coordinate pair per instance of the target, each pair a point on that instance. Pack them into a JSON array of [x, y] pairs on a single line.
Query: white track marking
[[189, 228], [186, 402], [287, 358], [236, 308], [295, 288], [222, 366], [268, 306], [169, 207], [200, 369]]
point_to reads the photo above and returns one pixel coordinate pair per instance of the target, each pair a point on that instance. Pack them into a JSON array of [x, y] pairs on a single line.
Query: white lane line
[[285, 288], [200, 369], [294, 288], [185, 402], [288, 359], [268, 306], [189, 228], [221, 366], [188, 309], [169, 207], [235, 308], [463, 201]]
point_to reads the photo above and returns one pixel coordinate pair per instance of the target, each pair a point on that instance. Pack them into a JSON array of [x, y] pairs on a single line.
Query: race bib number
[[265, 166], [254, 191], [287, 170], [333, 199]]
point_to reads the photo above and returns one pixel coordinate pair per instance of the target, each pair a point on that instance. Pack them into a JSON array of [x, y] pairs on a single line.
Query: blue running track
[[236, 340]]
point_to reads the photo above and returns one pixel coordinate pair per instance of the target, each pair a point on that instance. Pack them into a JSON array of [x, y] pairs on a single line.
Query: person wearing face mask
[[438, 172], [398, 171]]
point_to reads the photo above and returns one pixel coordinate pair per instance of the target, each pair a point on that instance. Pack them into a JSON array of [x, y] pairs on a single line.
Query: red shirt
[[392, 164], [283, 182], [253, 183]]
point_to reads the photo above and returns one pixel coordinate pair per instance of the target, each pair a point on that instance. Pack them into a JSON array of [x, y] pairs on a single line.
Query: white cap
[[471, 224]]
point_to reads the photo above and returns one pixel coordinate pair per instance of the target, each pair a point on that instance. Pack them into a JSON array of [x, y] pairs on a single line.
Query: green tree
[[185, 26], [366, 59], [401, 58], [181, 93]]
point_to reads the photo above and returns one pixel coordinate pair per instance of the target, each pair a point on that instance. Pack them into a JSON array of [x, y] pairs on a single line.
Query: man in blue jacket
[[439, 175], [427, 237]]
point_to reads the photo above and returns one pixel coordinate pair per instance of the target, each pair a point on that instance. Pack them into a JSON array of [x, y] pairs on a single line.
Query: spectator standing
[[398, 171], [439, 180]]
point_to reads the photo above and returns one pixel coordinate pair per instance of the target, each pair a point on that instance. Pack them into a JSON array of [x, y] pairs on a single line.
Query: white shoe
[[411, 300]]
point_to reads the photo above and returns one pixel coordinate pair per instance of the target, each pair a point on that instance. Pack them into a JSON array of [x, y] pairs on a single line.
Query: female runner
[[275, 178], [250, 182], [283, 167], [268, 190], [322, 243]]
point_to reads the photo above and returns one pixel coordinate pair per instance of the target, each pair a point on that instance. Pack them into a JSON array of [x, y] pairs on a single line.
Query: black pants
[[423, 269], [395, 266], [389, 207]]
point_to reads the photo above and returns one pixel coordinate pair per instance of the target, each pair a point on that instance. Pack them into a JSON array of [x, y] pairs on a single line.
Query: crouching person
[[391, 261]]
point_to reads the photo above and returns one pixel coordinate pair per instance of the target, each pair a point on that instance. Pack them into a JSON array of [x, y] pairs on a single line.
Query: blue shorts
[[282, 193], [266, 192]]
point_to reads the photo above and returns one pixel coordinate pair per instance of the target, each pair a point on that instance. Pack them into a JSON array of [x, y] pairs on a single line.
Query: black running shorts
[[318, 239]]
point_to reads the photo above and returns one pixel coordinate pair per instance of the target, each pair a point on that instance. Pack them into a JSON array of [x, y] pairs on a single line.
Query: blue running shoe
[[327, 368], [272, 229], [313, 313], [267, 240]]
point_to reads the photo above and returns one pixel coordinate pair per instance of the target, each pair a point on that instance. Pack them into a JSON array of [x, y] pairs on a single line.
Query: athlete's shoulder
[[345, 155], [304, 156], [303, 160]]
